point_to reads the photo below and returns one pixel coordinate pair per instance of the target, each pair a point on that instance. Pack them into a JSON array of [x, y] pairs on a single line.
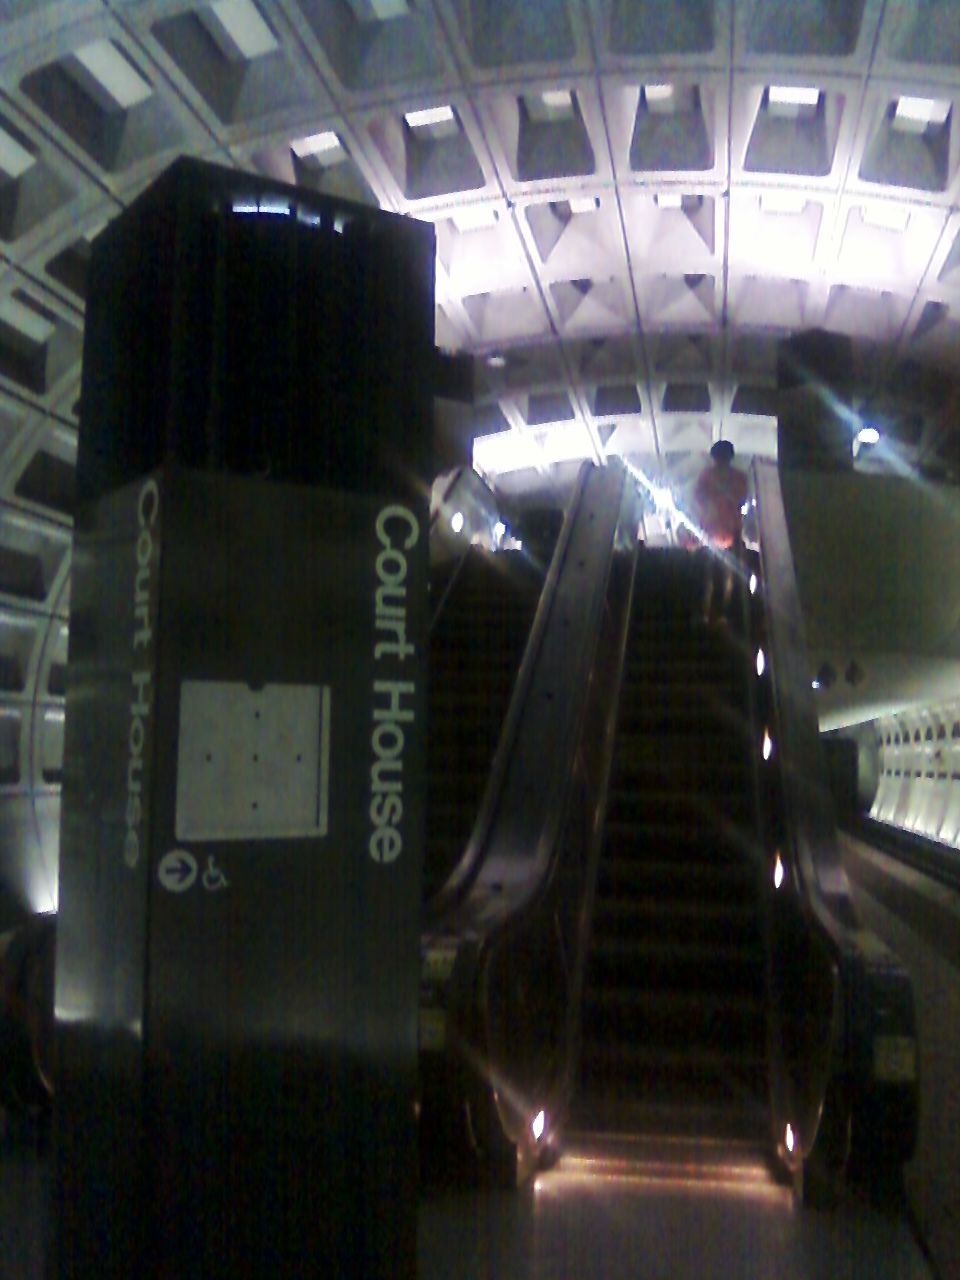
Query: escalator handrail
[[868, 976], [816, 863], [572, 838], [458, 883]]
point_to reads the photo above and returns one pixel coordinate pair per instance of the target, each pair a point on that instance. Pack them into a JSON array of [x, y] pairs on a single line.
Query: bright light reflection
[[499, 529], [767, 745], [576, 1177], [753, 584], [428, 116], [538, 1125], [761, 662], [778, 873], [789, 1139], [814, 683], [868, 435], [456, 521]]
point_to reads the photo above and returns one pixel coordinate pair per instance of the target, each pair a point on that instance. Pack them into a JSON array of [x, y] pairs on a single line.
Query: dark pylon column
[[243, 798], [814, 379]]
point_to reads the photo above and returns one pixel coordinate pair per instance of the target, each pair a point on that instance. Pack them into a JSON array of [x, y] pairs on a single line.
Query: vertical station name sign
[[394, 691]]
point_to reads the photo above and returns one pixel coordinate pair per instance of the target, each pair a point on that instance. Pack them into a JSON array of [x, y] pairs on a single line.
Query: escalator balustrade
[[476, 648]]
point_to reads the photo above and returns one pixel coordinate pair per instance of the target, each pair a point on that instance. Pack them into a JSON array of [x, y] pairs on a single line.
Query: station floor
[[643, 1210], [590, 1219]]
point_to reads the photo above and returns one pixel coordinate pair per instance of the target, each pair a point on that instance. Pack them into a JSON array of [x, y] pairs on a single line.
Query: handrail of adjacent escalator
[[438, 908], [832, 987], [532, 939], [540, 1045]]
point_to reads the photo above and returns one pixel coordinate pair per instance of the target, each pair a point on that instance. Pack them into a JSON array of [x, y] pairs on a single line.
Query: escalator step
[[692, 1028], [719, 879]]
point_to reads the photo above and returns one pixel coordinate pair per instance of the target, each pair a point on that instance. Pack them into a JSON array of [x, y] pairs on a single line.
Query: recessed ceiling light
[[584, 204], [475, 217], [15, 160], [913, 115], [316, 144], [784, 95], [888, 217], [384, 10], [429, 116], [104, 61], [28, 321], [244, 24], [660, 97], [783, 202]]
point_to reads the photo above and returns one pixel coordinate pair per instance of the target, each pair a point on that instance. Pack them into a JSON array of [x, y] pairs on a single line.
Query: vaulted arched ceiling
[[633, 200]]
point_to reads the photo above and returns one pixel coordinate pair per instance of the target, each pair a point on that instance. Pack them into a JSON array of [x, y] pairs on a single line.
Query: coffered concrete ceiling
[[633, 200]]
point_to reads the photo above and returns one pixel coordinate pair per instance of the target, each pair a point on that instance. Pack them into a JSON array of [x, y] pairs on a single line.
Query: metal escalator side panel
[[457, 885], [867, 1028], [532, 801], [475, 655], [534, 928]]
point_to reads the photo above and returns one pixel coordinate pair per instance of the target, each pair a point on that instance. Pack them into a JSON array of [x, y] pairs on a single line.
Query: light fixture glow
[[868, 435], [814, 683], [275, 204], [499, 529], [497, 361], [913, 115], [244, 24], [767, 745], [557, 99], [475, 217], [110, 68], [669, 200], [744, 509], [761, 662], [753, 584], [384, 10], [584, 204], [29, 322], [428, 116], [789, 1140], [15, 160], [316, 144], [456, 521], [784, 95], [660, 97], [778, 873], [538, 1126]]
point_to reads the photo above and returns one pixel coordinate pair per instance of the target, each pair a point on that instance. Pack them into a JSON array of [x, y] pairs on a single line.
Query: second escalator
[[476, 648]]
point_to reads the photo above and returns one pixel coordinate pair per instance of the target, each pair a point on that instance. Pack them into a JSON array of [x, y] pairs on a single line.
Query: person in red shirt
[[718, 498]]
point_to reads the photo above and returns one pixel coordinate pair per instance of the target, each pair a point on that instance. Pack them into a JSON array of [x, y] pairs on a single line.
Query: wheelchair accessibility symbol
[[213, 878], [178, 872]]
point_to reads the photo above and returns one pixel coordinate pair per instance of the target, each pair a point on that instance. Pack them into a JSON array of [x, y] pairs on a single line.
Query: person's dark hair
[[722, 451]]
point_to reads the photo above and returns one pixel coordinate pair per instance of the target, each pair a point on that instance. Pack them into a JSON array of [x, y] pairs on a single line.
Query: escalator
[[476, 648], [673, 1031]]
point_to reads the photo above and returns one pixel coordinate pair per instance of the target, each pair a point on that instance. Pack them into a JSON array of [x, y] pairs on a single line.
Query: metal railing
[[842, 1025], [439, 908], [516, 940]]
